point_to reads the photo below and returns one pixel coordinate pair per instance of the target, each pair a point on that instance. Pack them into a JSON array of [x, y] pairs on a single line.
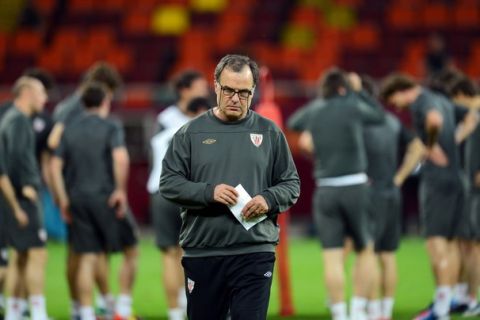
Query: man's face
[[38, 96], [198, 88], [234, 92], [399, 100]]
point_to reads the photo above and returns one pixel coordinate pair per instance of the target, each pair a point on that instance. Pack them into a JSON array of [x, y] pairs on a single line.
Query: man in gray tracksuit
[[228, 267]]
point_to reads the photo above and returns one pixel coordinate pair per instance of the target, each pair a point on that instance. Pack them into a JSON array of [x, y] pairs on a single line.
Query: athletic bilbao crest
[[190, 285], [256, 139]]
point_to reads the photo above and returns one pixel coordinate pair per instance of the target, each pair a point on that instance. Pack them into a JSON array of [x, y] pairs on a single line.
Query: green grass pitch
[[415, 287]]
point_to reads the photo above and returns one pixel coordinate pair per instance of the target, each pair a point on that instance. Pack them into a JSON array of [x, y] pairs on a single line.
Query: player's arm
[[9, 194], [55, 135], [371, 111], [285, 188], [305, 143], [23, 155], [415, 153], [433, 126], [466, 127], [59, 189], [121, 163]]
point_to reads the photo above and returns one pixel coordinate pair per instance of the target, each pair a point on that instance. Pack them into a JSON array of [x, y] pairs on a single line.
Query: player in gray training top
[[464, 93], [26, 237], [441, 191], [383, 143], [94, 160], [335, 136], [223, 148]]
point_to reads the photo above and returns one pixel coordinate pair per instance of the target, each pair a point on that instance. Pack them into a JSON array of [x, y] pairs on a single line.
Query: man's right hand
[[21, 217], [225, 194], [437, 156], [65, 212], [30, 193]]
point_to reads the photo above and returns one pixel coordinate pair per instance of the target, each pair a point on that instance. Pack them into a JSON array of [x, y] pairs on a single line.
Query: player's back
[[68, 109], [337, 131], [86, 148]]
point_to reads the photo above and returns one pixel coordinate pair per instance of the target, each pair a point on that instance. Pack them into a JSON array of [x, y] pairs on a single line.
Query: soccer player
[[165, 214], [383, 142], [66, 112], [27, 239], [228, 267], [464, 93], [335, 137], [94, 159], [441, 191]]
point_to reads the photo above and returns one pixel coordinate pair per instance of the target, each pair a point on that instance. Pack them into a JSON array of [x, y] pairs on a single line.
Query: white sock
[[22, 305], [374, 309], [339, 311], [387, 308], [105, 302], [124, 306], [13, 309], [176, 314], [472, 303], [87, 313], [182, 299], [443, 297], [460, 293], [37, 308], [358, 308], [74, 309]]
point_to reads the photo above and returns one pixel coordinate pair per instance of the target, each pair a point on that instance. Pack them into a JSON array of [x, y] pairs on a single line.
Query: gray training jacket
[[206, 152]]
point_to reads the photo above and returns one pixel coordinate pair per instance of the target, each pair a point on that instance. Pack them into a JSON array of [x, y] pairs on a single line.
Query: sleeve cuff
[[209, 193], [272, 207]]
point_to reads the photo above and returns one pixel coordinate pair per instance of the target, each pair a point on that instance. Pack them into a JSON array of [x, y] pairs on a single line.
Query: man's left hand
[[255, 208]]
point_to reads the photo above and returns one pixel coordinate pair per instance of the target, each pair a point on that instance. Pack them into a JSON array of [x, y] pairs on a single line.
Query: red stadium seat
[[436, 15], [402, 17], [466, 16], [364, 37], [45, 7], [27, 42], [137, 22], [81, 6]]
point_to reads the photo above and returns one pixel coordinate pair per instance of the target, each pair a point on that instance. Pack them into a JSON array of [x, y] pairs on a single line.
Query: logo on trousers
[[190, 285]]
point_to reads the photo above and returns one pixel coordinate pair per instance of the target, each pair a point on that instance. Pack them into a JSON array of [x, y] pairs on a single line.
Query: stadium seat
[[402, 17], [113, 5], [81, 6], [121, 58], [363, 37], [305, 16], [137, 22], [45, 7], [170, 20], [466, 16], [436, 15], [27, 42], [208, 5]]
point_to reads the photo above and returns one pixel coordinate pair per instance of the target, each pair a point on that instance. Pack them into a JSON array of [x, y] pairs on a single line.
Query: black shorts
[[385, 215], [442, 205], [166, 221], [474, 214], [342, 212], [94, 226], [127, 232], [239, 283], [3, 232], [31, 236]]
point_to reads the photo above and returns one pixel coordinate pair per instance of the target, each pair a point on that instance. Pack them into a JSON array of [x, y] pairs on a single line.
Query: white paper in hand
[[242, 200]]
